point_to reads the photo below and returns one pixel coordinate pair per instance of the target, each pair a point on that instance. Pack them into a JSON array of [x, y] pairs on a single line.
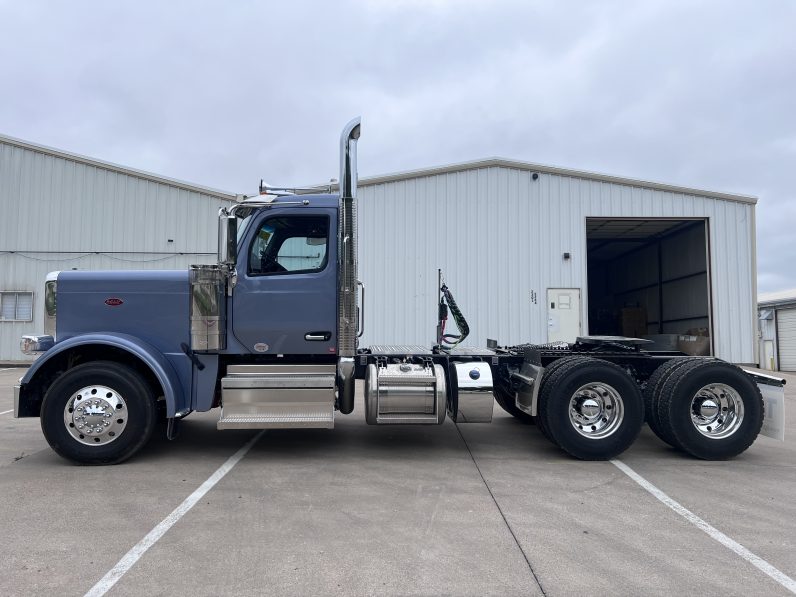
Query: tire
[[609, 411], [652, 392], [547, 376], [119, 416], [710, 409], [505, 400]]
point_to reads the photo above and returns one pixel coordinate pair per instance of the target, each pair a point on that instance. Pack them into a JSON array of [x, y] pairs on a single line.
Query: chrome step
[[273, 421], [277, 397]]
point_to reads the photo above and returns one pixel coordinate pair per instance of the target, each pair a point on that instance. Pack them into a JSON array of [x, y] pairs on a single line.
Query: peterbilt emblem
[[261, 347], [475, 374], [114, 302]]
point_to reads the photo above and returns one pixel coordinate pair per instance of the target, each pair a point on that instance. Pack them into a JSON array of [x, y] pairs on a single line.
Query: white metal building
[[531, 253], [64, 211], [537, 253], [777, 317]]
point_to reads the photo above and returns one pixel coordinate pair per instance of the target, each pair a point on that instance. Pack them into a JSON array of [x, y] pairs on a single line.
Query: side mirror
[[227, 238]]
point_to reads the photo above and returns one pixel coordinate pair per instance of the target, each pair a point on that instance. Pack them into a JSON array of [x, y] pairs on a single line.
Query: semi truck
[[269, 336]]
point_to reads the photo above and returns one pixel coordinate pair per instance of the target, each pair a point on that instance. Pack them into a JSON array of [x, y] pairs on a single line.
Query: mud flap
[[773, 391], [774, 421]]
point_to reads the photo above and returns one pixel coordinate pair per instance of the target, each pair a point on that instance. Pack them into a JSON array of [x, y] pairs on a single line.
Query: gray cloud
[[222, 93]]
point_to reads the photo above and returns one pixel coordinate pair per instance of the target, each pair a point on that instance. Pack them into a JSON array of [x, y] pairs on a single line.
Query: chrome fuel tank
[[405, 393]]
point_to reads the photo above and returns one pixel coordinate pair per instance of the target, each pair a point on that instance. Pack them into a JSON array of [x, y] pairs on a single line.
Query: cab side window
[[290, 244]]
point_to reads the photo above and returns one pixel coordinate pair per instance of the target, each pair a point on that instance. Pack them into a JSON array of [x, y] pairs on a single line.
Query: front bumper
[[17, 392]]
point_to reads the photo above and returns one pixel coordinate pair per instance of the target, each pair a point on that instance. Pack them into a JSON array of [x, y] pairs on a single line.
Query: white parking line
[[5, 412], [758, 562], [9, 369], [132, 556]]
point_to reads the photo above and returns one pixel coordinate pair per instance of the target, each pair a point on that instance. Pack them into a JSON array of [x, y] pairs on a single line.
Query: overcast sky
[[222, 93]]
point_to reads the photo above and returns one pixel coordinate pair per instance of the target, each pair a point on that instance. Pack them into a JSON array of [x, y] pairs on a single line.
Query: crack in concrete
[[500, 510]]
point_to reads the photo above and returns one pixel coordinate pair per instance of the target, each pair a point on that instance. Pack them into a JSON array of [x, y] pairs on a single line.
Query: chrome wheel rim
[[596, 410], [95, 415], [717, 411]]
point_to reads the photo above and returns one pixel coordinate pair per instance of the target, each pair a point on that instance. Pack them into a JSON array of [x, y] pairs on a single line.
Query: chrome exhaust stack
[[347, 308], [347, 247], [348, 158]]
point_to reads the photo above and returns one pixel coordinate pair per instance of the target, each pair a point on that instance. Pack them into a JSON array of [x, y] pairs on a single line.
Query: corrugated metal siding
[[498, 236], [60, 213], [786, 339]]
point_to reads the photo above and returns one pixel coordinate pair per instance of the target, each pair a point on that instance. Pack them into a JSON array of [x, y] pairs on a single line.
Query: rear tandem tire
[[115, 401], [710, 409], [547, 376], [652, 392], [591, 408], [505, 400]]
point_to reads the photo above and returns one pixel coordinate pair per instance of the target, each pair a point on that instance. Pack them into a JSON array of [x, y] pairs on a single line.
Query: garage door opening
[[649, 278], [786, 339]]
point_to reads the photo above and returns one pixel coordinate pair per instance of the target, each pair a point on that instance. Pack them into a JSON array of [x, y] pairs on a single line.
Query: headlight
[[50, 294]]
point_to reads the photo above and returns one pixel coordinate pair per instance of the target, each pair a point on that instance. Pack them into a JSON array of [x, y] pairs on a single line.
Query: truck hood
[[152, 305]]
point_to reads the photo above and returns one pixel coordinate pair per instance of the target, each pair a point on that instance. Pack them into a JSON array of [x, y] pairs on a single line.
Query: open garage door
[[649, 278]]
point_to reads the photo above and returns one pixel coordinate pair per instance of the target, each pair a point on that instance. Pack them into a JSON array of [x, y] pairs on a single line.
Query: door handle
[[317, 336], [361, 318]]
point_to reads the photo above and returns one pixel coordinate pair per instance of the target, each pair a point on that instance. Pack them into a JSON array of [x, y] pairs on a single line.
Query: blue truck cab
[[123, 348]]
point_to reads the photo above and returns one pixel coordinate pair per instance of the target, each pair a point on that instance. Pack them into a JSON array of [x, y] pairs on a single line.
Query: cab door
[[285, 299]]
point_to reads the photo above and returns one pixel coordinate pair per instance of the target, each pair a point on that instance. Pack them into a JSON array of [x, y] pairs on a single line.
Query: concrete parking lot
[[361, 510]]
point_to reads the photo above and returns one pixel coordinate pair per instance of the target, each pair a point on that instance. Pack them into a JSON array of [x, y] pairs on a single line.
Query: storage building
[[777, 317], [540, 254]]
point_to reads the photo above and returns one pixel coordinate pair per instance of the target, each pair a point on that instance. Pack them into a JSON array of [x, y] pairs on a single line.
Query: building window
[[16, 306]]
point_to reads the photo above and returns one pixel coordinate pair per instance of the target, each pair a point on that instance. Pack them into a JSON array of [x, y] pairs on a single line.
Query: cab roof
[[313, 200]]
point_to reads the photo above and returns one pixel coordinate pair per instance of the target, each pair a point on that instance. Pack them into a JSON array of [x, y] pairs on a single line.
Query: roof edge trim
[[519, 165], [787, 303], [76, 157], [777, 298]]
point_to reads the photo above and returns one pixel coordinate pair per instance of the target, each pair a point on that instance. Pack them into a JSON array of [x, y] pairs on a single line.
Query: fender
[[173, 391]]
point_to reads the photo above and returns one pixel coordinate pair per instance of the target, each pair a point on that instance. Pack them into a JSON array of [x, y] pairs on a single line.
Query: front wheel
[[98, 413], [591, 408]]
